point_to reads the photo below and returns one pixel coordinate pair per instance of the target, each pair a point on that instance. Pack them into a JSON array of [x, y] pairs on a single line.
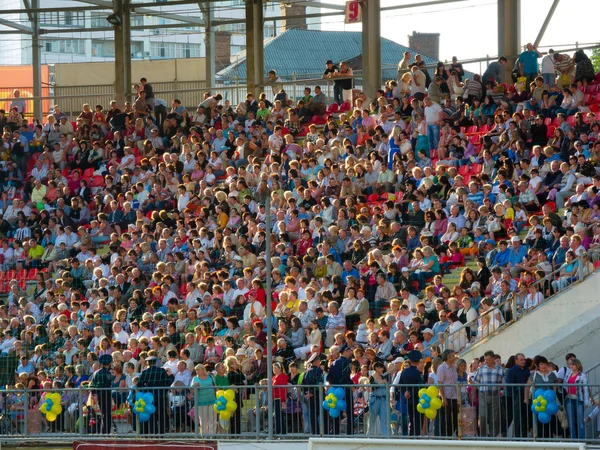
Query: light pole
[[269, 317]]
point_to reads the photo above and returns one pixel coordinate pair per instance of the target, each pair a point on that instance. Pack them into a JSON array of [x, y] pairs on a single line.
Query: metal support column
[[259, 39], [546, 22], [209, 43], [126, 25], [119, 55], [36, 62], [365, 46], [372, 58], [251, 81], [509, 33]]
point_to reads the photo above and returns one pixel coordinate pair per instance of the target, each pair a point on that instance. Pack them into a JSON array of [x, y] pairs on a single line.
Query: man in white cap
[[517, 254]]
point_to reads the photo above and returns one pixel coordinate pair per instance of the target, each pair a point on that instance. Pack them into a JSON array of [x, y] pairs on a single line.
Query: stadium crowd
[[144, 230]]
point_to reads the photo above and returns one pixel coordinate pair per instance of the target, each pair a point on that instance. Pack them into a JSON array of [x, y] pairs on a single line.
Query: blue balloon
[[551, 408], [334, 413], [148, 397], [539, 392], [533, 408], [544, 417], [139, 396], [550, 396], [326, 405], [50, 403], [150, 409], [144, 417], [340, 393], [341, 405], [222, 399], [426, 405], [331, 391]]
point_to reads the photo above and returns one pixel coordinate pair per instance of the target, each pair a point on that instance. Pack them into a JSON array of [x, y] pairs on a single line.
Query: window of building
[[69, 46], [174, 50]]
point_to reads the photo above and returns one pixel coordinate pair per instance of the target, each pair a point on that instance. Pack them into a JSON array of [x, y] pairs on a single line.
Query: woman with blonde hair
[[235, 378], [205, 395]]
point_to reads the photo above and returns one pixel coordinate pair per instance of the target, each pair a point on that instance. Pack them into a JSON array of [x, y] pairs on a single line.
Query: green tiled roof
[[304, 52]]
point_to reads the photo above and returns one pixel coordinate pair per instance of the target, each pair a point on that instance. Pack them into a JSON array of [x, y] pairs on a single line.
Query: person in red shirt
[[279, 397]]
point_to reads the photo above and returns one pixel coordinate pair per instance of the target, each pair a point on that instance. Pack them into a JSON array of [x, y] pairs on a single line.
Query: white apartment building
[[88, 45]]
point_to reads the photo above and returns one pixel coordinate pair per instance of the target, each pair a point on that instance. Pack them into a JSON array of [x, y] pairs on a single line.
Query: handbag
[[562, 418], [493, 225]]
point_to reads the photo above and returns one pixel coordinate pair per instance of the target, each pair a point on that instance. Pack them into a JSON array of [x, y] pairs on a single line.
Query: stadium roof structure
[[303, 53]]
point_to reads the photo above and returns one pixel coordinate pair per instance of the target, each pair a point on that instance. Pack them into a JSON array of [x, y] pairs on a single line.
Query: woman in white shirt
[[457, 333], [313, 337], [450, 235], [534, 298]]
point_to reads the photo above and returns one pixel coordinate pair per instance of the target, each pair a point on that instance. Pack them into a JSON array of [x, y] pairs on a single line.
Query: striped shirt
[[485, 375]]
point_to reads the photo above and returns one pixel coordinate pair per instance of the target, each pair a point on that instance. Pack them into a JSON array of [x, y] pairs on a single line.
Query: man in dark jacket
[[411, 380], [155, 377], [102, 380], [313, 377], [339, 375]]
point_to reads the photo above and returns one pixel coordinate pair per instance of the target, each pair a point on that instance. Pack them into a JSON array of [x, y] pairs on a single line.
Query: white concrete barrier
[[418, 444]]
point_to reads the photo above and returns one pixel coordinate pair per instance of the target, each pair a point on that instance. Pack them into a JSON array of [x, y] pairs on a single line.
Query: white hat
[[237, 258], [428, 330], [405, 269], [365, 229], [398, 360], [515, 239]]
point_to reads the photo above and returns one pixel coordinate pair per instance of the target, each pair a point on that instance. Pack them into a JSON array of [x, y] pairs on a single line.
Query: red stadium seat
[[547, 120], [22, 274], [594, 107], [97, 181], [476, 169], [471, 130], [32, 274], [11, 275], [88, 173], [333, 108], [464, 170], [551, 129]]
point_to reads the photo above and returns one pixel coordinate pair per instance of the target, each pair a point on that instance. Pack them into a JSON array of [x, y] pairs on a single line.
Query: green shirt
[[221, 380]]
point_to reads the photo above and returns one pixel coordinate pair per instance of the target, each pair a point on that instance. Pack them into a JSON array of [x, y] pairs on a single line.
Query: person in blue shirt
[[348, 271], [528, 63], [25, 366], [501, 258], [516, 255]]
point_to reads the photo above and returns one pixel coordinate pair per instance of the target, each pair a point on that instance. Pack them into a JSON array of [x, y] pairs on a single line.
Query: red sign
[[353, 12]]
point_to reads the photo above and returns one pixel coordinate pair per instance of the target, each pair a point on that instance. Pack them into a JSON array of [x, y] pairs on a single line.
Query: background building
[[187, 41]]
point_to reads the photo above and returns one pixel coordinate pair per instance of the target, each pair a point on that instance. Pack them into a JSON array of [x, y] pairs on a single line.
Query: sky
[[468, 29]]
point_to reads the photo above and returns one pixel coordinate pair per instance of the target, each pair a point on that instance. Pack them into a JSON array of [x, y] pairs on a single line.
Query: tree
[[596, 59]]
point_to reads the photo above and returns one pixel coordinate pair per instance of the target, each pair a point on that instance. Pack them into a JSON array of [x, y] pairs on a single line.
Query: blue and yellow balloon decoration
[[544, 405], [225, 404], [429, 402], [334, 402], [51, 407], [144, 405]]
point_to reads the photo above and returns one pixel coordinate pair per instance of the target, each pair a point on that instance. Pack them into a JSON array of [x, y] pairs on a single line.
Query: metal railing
[[511, 310], [71, 99], [462, 410]]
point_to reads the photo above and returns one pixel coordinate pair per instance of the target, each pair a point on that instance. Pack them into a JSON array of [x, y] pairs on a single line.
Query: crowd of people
[[145, 231]]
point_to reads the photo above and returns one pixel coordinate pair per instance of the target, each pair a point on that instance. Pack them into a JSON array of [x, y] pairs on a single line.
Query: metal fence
[[71, 98], [514, 308], [465, 411]]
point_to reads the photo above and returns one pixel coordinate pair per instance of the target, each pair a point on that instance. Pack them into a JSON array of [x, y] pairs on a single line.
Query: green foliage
[[596, 59]]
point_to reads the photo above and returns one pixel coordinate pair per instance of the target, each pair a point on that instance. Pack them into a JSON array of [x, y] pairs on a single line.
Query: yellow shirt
[[36, 252], [509, 214]]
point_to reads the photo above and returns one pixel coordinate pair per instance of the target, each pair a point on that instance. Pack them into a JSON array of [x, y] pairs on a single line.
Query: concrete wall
[[103, 73], [568, 323], [425, 444]]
